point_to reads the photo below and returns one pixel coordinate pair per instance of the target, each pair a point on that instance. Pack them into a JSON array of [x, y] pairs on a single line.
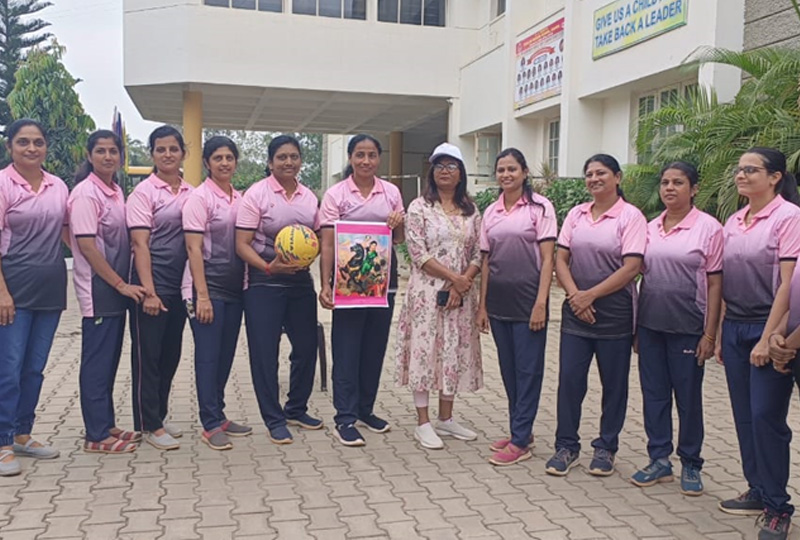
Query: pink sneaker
[[499, 446], [510, 455]]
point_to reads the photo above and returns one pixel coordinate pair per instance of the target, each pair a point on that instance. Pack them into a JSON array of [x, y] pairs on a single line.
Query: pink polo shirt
[[752, 255], [674, 290], [153, 206], [265, 209], [98, 211], [597, 249], [794, 302], [344, 202], [511, 241], [211, 212], [30, 240]]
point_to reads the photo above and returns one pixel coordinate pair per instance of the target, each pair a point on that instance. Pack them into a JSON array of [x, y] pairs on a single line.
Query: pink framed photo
[[361, 269]]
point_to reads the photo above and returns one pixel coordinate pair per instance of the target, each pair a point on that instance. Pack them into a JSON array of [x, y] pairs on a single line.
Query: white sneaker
[[173, 430], [162, 442], [427, 437], [454, 429]]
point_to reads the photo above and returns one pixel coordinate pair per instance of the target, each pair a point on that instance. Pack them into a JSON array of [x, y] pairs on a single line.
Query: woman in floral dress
[[438, 346]]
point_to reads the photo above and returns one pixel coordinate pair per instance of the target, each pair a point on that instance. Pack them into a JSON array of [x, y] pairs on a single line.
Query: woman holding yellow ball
[[279, 295]]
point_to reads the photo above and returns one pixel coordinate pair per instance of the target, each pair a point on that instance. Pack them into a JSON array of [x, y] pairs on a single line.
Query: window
[[654, 101], [418, 12], [220, 3], [498, 7], [553, 140], [487, 146], [352, 9], [270, 5], [244, 4]]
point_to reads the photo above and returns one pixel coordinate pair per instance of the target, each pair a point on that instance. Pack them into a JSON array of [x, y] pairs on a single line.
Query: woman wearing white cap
[[438, 347]]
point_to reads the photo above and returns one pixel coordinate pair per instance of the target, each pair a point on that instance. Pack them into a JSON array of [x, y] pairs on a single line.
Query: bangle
[[267, 270], [120, 282], [712, 339]]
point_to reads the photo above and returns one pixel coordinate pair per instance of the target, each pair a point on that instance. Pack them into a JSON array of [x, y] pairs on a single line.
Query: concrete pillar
[[193, 136], [396, 157]]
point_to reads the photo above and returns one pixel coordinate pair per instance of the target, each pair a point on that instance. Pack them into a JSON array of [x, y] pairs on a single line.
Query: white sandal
[[9, 468]]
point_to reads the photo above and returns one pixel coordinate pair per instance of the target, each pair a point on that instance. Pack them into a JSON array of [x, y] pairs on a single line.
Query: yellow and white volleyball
[[297, 244]]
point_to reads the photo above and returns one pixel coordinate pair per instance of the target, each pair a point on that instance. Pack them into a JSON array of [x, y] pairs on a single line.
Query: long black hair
[[162, 132], [610, 162], [461, 198], [351, 147], [519, 157], [775, 162], [85, 168], [274, 146], [215, 143], [13, 128]]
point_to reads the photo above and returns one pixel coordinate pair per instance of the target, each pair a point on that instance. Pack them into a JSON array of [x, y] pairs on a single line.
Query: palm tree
[[699, 129]]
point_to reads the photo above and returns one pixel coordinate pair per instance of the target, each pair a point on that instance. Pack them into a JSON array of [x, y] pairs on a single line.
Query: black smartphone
[[443, 296]]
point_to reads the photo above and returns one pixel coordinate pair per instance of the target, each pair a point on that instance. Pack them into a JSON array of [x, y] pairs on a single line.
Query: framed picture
[[361, 267]]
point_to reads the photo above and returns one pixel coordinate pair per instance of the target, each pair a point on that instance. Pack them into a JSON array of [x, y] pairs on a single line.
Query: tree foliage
[[698, 129], [253, 156], [45, 91], [19, 33]]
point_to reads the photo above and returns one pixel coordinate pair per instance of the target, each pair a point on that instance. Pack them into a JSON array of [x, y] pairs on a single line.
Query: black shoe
[[746, 504], [375, 424], [349, 435], [773, 526]]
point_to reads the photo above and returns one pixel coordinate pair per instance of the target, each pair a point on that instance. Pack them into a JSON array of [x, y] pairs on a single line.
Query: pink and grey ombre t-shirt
[[154, 207], [674, 290], [212, 212], [265, 210], [97, 211], [30, 240], [511, 241], [344, 202], [752, 256], [597, 249]]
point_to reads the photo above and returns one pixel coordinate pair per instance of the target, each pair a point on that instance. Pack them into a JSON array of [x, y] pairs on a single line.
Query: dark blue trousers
[[24, 348], [214, 347], [614, 364], [667, 366], [520, 352], [269, 311], [358, 344], [760, 398], [101, 347]]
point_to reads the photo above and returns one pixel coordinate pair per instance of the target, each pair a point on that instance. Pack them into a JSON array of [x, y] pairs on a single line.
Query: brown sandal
[[117, 447]]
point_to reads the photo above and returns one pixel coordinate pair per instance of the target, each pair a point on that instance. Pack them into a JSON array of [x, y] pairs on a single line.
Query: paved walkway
[[316, 488]]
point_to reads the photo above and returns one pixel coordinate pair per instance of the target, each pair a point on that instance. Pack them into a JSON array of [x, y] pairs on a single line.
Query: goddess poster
[[361, 267]]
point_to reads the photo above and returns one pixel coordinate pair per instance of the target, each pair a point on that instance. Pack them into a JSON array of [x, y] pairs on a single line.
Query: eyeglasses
[[450, 167], [748, 170]]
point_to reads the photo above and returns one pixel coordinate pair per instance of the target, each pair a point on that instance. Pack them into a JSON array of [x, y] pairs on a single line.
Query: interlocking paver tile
[[216, 533]]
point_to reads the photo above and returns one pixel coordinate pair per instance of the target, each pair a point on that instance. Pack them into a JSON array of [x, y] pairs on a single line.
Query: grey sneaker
[[746, 504], [602, 463], [561, 462], [217, 439], [173, 430], [773, 526], [9, 468], [162, 442], [236, 430], [40, 452]]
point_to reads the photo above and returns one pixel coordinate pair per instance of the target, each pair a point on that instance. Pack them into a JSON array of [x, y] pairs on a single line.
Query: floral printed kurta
[[439, 349]]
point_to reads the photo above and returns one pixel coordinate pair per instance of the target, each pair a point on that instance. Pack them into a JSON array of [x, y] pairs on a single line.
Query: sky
[[91, 31]]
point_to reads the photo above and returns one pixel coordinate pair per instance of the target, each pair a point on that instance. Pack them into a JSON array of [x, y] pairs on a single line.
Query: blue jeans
[[667, 366], [760, 398], [614, 364], [24, 348], [520, 352], [214, 347]]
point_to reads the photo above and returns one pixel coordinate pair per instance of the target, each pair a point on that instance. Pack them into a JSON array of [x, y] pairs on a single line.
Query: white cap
[[446, 149]]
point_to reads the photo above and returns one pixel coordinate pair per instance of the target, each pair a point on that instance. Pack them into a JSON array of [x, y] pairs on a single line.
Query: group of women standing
[[172, 251]]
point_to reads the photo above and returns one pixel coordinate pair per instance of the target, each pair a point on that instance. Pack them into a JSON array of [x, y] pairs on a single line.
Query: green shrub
[[486, 197], [565, 193]]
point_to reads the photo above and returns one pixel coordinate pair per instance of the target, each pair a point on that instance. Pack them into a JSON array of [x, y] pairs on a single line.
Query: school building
[[559, 79]]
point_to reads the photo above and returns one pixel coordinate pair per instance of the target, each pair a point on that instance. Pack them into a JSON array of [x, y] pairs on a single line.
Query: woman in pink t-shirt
[[762, 244], [600, 251], [33, 286], [101, 267], [212, 288], [154, 216], [359, 336]]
